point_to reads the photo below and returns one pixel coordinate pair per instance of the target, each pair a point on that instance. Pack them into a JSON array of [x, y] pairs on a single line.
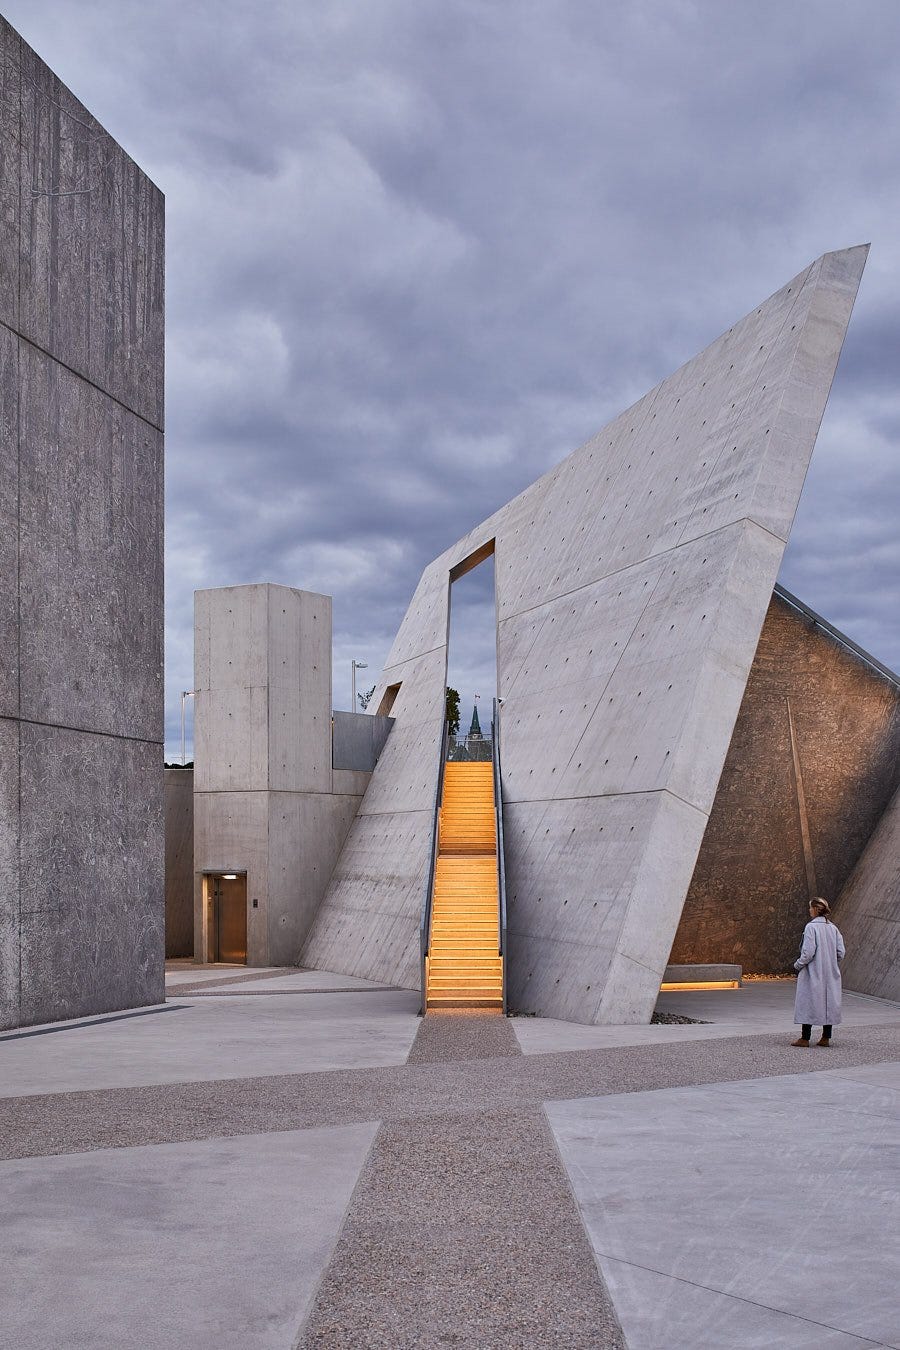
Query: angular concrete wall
[[357, 740], [868, 913], [748, 898], [632, 582], [179, 818], [81, 577], [266, 799]]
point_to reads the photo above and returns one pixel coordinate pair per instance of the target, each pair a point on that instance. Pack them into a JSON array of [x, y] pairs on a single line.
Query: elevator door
[[230, 902]]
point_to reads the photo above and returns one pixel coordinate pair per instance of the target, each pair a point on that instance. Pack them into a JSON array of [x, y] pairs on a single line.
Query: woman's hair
[[822, 908]]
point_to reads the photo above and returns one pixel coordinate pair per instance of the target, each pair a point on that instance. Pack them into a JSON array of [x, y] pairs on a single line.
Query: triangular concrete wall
[[632, 583]]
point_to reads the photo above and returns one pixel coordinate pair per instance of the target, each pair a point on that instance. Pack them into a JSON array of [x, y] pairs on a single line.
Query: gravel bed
[[175, 990], [677, 1020], [463, 1232], [73, 1122], [463, 1034]]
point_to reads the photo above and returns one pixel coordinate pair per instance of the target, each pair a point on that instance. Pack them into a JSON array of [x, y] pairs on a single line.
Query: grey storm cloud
[[419, 250]]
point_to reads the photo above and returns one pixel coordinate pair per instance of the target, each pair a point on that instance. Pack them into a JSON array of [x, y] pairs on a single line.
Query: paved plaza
[[282, 1158]]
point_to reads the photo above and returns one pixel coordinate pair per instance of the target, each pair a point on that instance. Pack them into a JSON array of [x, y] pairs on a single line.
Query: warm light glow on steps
[[465, 967]]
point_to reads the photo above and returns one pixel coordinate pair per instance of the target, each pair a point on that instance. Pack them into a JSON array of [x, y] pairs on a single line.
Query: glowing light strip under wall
[[707, 984]]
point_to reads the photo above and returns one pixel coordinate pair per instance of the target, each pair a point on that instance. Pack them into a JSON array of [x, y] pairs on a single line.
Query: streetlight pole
[[185, 695], [354, 667]]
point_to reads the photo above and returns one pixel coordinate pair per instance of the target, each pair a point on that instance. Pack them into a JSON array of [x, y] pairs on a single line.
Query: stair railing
[[428, 902], [501, 858]]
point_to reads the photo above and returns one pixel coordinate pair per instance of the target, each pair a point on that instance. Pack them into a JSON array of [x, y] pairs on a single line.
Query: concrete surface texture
[[81, 574], [767, 841], [171, 1261], [868, 912], [696, 1252], [632, 583], [179, 828], [357, 740], [266, 799], [654, 1193]]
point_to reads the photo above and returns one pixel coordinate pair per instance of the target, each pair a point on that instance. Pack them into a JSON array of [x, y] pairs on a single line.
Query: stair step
[[488, 973], [487, 989], [460, 998], [457, 957], [495, 996], [481, 927]]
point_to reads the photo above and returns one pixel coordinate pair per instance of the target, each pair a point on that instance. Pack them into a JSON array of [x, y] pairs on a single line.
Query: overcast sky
[[419, 250]]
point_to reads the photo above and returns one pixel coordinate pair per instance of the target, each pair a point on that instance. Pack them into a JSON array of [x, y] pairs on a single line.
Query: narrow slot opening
[[472, 655]]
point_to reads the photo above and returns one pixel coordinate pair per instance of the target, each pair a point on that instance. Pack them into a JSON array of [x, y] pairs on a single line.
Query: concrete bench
[[721, 976]]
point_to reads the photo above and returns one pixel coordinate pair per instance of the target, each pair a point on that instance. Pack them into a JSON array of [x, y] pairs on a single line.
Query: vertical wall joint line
[[808, 863]]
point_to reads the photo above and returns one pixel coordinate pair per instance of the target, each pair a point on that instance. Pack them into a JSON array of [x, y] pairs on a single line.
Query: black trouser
[[807, 1031]]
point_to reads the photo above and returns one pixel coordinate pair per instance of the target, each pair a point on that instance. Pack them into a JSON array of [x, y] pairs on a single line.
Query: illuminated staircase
[[465, 967]]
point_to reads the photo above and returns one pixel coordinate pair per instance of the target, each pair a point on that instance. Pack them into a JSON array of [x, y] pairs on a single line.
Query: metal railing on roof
[[839, 637]]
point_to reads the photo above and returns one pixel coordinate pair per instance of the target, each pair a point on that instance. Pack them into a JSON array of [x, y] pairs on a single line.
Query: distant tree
[[452, 711], [366, 699]]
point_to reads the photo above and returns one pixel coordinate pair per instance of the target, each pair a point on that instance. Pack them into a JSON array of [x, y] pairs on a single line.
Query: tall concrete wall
[[868, 913], [179, 818], [266, 797], [81, 577], [632, 582], [748, 898]]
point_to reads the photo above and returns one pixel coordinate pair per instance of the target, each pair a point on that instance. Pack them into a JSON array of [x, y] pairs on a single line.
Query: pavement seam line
[[548, 1125], [740, 1298], [314, 1297]]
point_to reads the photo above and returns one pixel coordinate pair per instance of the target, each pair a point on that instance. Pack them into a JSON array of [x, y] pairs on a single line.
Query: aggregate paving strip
[[463, 1231], [174, 990], [74, 1122], [462, 1034]]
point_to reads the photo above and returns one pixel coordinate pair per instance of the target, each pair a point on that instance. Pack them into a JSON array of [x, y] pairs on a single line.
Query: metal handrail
[[428, 902], [501, 859]]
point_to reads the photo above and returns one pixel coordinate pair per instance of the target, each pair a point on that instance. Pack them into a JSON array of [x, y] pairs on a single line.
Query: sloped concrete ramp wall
[[868, 913], [632, 582]]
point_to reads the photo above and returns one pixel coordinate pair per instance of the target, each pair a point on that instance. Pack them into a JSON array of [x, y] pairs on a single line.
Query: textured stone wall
[[81, 579], [179, 804], [748, 897]]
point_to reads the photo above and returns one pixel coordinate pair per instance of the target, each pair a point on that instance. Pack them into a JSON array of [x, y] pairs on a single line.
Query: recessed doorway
[[228, 920]]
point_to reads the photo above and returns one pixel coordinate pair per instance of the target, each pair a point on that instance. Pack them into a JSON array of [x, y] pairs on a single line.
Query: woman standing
[[818, 998]]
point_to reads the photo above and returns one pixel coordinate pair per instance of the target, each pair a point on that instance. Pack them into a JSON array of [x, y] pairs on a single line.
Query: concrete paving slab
[[210, 1039], [667, 1314], [217, 1245], [758, 1007], [882, 1075], [763, 1193]]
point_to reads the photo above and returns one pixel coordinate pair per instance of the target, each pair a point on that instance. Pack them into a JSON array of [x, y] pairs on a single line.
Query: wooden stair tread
[[465, 967]]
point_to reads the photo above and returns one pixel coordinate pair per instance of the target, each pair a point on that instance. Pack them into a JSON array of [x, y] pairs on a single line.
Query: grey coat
[[818, 998]]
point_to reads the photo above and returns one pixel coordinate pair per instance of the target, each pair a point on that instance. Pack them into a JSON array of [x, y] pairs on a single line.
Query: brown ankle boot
[[801, 1040], [823, 1040]]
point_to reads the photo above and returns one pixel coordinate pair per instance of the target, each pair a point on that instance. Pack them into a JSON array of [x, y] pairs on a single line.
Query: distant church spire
[[475, 728]]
